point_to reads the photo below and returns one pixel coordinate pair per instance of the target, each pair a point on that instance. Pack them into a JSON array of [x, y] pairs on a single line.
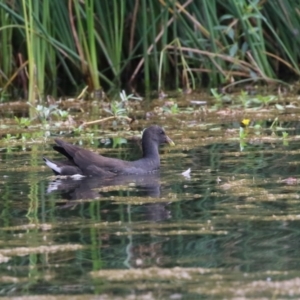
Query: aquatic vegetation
[[124, 97], [4, 96], [173, 109], [23, 122], [9, 138], [116, 109], [63, 114], [245, 100], [243, 128], [90, 137], [217, 96], [265, 100], [220, 98], [285, 136], [120, 107], [45, 113], [77, 131]]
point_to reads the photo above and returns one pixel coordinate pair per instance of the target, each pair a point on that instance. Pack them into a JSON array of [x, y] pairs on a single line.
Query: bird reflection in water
[[93, 188]]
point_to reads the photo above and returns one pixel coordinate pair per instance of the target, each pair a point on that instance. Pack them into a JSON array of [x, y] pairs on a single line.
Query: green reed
[[6, 47], [110, 37], [84, 35], [29, 33]]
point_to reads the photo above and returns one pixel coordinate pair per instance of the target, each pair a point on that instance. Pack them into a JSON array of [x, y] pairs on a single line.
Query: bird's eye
[[162, 132]]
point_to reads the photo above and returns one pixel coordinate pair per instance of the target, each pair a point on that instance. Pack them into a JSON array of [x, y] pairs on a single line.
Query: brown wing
[[86, 159], [66, 149], [91, 163]]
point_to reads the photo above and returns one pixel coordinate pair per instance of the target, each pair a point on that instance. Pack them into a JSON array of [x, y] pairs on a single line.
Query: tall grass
[[31, 41], [48, 46], [6, 55]]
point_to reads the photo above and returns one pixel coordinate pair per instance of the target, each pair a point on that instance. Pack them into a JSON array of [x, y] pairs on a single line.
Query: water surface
[[229, 230]]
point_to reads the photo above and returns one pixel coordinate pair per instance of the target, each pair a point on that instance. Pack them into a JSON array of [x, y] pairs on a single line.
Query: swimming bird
[[85, 162]]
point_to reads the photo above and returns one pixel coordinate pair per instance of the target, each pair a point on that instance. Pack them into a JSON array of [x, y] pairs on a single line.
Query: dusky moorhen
[[84, 162]]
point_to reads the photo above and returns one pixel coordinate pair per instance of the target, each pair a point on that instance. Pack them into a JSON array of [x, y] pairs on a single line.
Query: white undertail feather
[[77, 176], [53, 166]]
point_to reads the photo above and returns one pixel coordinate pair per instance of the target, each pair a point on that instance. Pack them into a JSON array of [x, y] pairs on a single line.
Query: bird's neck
[[150, 150]]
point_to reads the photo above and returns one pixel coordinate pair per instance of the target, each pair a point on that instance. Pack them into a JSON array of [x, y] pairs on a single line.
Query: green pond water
[[230, 230]]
